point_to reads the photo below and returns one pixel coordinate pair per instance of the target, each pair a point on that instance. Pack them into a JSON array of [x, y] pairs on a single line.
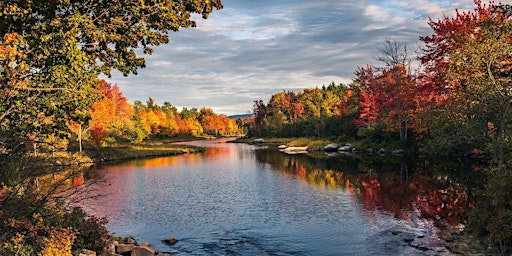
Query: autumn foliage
[[113, 118], [317, 111]]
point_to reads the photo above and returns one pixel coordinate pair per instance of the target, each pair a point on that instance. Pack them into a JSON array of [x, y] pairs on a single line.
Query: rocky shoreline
[[127, 246]]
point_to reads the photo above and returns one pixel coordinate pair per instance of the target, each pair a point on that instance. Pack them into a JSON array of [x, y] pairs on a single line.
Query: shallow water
[[238, 199]]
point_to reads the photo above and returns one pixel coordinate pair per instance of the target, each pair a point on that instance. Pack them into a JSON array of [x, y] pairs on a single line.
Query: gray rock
[[331, 147], [142, 251]]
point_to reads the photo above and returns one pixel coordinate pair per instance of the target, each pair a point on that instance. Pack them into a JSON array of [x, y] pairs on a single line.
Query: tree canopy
[[51, 53]]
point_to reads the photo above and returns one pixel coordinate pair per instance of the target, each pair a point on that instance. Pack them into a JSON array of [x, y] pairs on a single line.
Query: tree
[[53, 52], [112, 113], [469, 56], [260, 114], [388, 94]]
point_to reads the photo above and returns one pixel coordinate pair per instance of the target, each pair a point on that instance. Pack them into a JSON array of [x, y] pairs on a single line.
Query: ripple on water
[[223, 204]]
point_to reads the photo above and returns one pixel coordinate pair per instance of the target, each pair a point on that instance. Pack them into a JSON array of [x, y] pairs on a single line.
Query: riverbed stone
[[171, 240], [124, 248], [142, 251]]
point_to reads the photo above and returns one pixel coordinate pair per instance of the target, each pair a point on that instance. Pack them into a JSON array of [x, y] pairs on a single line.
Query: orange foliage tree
[[112, 114]]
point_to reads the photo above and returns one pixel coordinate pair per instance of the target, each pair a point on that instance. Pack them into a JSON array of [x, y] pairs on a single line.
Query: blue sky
[[252, 49]]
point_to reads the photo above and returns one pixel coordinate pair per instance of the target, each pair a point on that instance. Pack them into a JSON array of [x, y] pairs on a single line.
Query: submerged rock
[[171, 240]]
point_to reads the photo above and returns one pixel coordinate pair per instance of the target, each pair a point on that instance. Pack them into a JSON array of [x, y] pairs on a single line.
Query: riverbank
[[139, 151], [119, 152]]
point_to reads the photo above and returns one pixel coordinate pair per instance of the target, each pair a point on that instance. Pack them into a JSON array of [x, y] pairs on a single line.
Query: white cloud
[[253, 49]]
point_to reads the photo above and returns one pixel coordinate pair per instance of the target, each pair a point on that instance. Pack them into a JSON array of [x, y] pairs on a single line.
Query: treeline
[[321, 112], [113, 119], [458, 102]]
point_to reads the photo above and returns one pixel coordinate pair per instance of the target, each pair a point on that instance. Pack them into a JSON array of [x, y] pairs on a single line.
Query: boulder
[[331, 147], [171, 240], [124, 248], [296, 150], [110, 247], [146, 244], [347, 147], [142, 251], [130, 240], [282, 147]]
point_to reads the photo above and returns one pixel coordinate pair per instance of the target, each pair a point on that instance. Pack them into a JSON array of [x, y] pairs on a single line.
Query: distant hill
[[240, 116]]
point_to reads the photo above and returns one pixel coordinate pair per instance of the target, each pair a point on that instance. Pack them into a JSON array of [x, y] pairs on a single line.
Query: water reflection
[[242, 199], [408, 189]]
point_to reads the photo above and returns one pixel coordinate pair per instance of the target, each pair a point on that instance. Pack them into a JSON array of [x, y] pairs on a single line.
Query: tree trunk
[[80, 137]]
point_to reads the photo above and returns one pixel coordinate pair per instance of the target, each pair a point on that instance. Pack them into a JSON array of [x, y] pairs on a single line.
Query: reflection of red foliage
[[448, 202], [440, 200], [371, 194], [436, 200]]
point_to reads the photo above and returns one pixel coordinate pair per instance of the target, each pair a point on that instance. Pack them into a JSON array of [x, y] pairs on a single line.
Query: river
[[239, 199]]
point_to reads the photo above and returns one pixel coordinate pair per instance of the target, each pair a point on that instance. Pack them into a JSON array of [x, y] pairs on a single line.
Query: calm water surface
[[238, 199]]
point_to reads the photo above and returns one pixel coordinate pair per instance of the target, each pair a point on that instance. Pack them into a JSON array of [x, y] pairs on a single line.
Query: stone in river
[[142, 251], [171, 240]]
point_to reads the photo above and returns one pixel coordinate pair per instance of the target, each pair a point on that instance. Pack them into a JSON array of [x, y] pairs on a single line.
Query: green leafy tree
[[470, 57], [51, 54], [58, 48]]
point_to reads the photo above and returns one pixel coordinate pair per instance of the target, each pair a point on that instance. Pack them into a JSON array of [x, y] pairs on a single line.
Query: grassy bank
[[128, 152], [122, 151]]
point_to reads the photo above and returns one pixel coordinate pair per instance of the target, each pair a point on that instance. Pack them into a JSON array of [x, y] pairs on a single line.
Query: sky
[[252, 49]]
